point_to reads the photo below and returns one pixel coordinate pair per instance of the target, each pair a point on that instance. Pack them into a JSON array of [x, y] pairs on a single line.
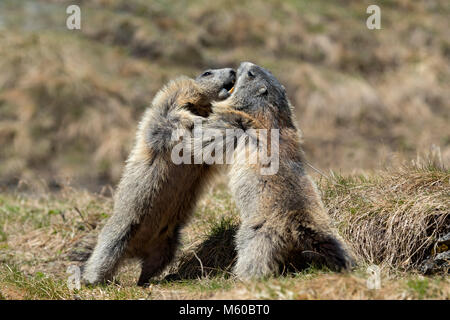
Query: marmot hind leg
[[335, 254], [161, 253], [322, 249], [108, 253], [258, 253]]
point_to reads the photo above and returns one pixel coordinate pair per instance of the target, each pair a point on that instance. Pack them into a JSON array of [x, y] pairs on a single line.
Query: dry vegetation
[[70, 100], [367, 102]]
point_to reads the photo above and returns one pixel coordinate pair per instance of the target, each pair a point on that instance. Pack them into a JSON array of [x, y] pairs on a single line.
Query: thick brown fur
[[155, 197], [284, 223]]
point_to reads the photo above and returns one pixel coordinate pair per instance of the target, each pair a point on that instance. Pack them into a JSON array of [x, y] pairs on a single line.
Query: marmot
[[155, 197], [283, 221]]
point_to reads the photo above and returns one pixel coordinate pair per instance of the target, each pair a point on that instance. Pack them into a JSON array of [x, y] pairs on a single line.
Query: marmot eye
[[207, 73], [250, 74]]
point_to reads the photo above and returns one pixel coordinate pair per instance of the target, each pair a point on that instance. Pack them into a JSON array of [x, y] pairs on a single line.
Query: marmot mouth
[[229, 86]]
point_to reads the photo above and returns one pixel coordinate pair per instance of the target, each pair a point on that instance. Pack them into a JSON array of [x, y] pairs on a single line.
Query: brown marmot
[[284, 223], [155, 196]]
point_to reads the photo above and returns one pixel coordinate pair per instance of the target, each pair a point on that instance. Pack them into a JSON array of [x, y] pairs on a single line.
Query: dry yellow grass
[[390, 218], [393, 218]]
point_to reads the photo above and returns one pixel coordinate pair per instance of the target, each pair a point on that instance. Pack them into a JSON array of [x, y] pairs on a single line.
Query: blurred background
[[70, 100]]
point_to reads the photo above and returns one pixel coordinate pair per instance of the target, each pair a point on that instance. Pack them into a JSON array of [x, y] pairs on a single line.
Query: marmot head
[[258, 92], [217, 83]]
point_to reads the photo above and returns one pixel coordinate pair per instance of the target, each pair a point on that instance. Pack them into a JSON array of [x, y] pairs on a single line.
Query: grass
[[43, 232], [308, 285], [392, 218]]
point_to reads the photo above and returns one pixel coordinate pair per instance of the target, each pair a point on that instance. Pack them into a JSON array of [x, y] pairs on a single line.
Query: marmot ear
[[262, 90]]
